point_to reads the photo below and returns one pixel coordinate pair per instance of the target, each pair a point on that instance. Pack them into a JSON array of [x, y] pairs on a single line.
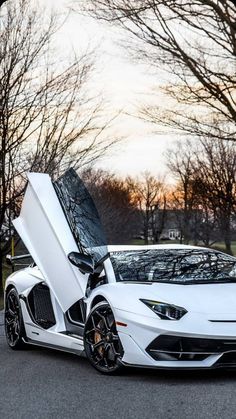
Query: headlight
[[165, 311]]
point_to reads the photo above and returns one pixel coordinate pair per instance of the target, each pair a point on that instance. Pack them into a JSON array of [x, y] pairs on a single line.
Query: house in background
[[171, 230]]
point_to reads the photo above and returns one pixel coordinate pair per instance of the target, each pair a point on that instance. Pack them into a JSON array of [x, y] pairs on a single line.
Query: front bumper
[[192, 342]]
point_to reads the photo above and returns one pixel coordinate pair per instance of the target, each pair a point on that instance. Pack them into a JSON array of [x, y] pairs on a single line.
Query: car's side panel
[[43, 228], [50, 338], [22, 280], [135, 337]]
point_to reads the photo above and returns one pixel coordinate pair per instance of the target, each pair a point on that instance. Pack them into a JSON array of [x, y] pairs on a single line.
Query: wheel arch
[[98, 299], [22, 280], [8, 288], [99, 295]]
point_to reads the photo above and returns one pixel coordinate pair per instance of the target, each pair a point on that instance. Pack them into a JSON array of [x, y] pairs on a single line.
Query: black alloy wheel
[[14, 326], [101, 341]]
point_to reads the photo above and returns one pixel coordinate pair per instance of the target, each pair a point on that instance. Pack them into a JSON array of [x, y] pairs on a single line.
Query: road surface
[[40, 384]]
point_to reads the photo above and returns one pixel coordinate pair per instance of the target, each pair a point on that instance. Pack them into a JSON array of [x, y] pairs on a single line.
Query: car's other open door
[[81, 214], [48, 232]]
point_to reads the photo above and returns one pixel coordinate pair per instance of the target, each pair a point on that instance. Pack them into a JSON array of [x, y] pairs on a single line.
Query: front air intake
[[168, 347]]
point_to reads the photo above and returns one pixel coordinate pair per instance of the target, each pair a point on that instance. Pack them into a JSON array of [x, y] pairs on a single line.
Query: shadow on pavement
[[219, 375]]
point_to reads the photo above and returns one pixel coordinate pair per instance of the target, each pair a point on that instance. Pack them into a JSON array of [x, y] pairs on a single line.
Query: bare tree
[[148, 194], [48, 118], [180, 163], [196, 43], [205, 193], [204, 221], [215, 174]]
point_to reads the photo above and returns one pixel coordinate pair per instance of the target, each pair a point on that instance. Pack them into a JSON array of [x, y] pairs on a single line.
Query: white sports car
[[159, 306]]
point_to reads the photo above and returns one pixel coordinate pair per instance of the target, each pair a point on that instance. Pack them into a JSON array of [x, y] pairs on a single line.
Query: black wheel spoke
[[88, 341], [10, 312], [12, 319], [98, 344], [105, 356], [14, 306], [112, 324], [9, 322], [95, 329], [104, 321], [110, 354], [102, 343], [88, 332], [114, 350], [93, 322]]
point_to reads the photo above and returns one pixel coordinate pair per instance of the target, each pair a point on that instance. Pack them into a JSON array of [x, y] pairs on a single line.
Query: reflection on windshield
[[174, 265], [81, 214]]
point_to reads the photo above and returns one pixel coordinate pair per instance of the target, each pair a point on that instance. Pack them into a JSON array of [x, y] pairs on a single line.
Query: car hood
[[212, 299]]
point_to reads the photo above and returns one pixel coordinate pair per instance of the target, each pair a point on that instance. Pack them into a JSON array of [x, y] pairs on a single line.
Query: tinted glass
[[81, 214], [176, 266]]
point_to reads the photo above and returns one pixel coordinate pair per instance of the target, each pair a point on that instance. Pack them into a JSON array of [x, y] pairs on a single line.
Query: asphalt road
[[40, 384]]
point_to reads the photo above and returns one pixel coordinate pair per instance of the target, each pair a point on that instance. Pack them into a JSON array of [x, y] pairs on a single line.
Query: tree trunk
[[228, 247], [145, 235], [146, 226], [226, 232]]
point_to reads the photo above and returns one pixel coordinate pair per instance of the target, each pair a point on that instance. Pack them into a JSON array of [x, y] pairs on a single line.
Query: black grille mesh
[[41, 306]]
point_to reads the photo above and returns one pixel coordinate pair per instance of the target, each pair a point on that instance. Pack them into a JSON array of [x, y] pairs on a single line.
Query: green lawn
[[221, 246], [1, 303]]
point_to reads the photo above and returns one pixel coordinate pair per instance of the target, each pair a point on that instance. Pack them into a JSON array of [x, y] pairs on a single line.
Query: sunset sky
[[126, 86]]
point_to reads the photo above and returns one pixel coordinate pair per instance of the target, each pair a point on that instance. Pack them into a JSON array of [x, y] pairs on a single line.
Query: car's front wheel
[[14, 326], [101, 341]]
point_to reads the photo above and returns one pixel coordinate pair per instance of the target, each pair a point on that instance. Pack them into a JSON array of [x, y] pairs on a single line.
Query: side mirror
[[85, 263]]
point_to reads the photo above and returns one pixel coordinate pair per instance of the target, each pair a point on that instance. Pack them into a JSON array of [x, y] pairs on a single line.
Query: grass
[[221, 246]]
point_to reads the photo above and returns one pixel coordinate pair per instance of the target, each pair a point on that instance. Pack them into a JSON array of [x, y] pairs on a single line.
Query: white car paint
[[42, 226], [46, 234]]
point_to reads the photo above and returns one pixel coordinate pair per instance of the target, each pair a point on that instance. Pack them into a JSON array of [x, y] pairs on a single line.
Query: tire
[[13, 321], [101, 341]]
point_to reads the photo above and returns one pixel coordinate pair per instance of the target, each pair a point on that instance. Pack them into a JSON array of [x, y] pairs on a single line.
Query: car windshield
[[181, 266]]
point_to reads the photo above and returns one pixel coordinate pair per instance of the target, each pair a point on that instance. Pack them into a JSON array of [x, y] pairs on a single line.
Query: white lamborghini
[[159, 306]]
